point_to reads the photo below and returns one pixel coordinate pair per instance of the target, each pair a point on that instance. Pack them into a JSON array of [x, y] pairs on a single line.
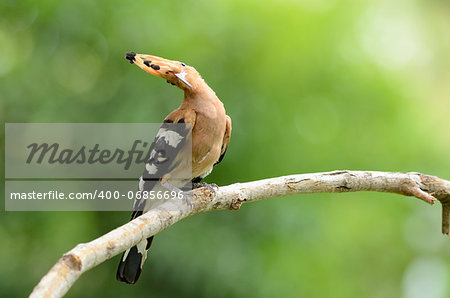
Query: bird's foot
[[211, 187], [185, 195]]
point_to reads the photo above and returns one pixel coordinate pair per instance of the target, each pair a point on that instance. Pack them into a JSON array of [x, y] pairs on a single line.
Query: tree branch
[[88, 255]]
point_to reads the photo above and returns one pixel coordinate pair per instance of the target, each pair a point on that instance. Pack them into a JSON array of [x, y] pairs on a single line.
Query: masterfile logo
[[52, 153]]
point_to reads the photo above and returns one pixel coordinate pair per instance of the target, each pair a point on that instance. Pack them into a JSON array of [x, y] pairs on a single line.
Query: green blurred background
[[311, 85]]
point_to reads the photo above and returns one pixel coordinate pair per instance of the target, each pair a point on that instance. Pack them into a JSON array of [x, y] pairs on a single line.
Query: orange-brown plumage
[[211, 127]]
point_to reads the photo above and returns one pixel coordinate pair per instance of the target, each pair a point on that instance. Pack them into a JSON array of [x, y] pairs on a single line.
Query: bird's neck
[[200, 91], [203, 100]]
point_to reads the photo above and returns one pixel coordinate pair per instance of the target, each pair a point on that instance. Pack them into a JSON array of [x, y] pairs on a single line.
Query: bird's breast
[[207, 136]]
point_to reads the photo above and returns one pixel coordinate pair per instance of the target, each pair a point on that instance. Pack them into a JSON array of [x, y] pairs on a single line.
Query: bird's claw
[[211, 187], [185, 195]]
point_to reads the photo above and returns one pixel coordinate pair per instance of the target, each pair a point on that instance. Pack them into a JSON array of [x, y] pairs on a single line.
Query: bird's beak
[[158, 66], [182, 77]]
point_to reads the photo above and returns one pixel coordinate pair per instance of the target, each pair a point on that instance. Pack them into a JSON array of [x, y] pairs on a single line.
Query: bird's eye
[[182, 64]]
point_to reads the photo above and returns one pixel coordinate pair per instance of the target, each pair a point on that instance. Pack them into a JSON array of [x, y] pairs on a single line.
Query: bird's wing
[[226, 139], [170, 155]]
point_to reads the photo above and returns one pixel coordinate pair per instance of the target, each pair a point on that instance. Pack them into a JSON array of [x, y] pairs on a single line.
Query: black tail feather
[[130, 269]]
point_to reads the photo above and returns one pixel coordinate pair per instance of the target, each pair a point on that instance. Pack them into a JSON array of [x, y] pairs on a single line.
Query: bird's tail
[[131, 262]]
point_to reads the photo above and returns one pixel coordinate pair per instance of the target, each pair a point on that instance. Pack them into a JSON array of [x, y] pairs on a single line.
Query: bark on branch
[[88, 255]]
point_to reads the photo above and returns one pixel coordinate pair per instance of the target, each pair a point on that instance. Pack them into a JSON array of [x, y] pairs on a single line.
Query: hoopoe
[[207, 125]]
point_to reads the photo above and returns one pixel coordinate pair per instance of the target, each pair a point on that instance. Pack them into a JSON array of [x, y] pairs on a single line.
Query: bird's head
[[174, 72]]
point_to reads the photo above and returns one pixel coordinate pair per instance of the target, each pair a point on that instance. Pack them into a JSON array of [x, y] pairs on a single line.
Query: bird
[[196, 147]]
